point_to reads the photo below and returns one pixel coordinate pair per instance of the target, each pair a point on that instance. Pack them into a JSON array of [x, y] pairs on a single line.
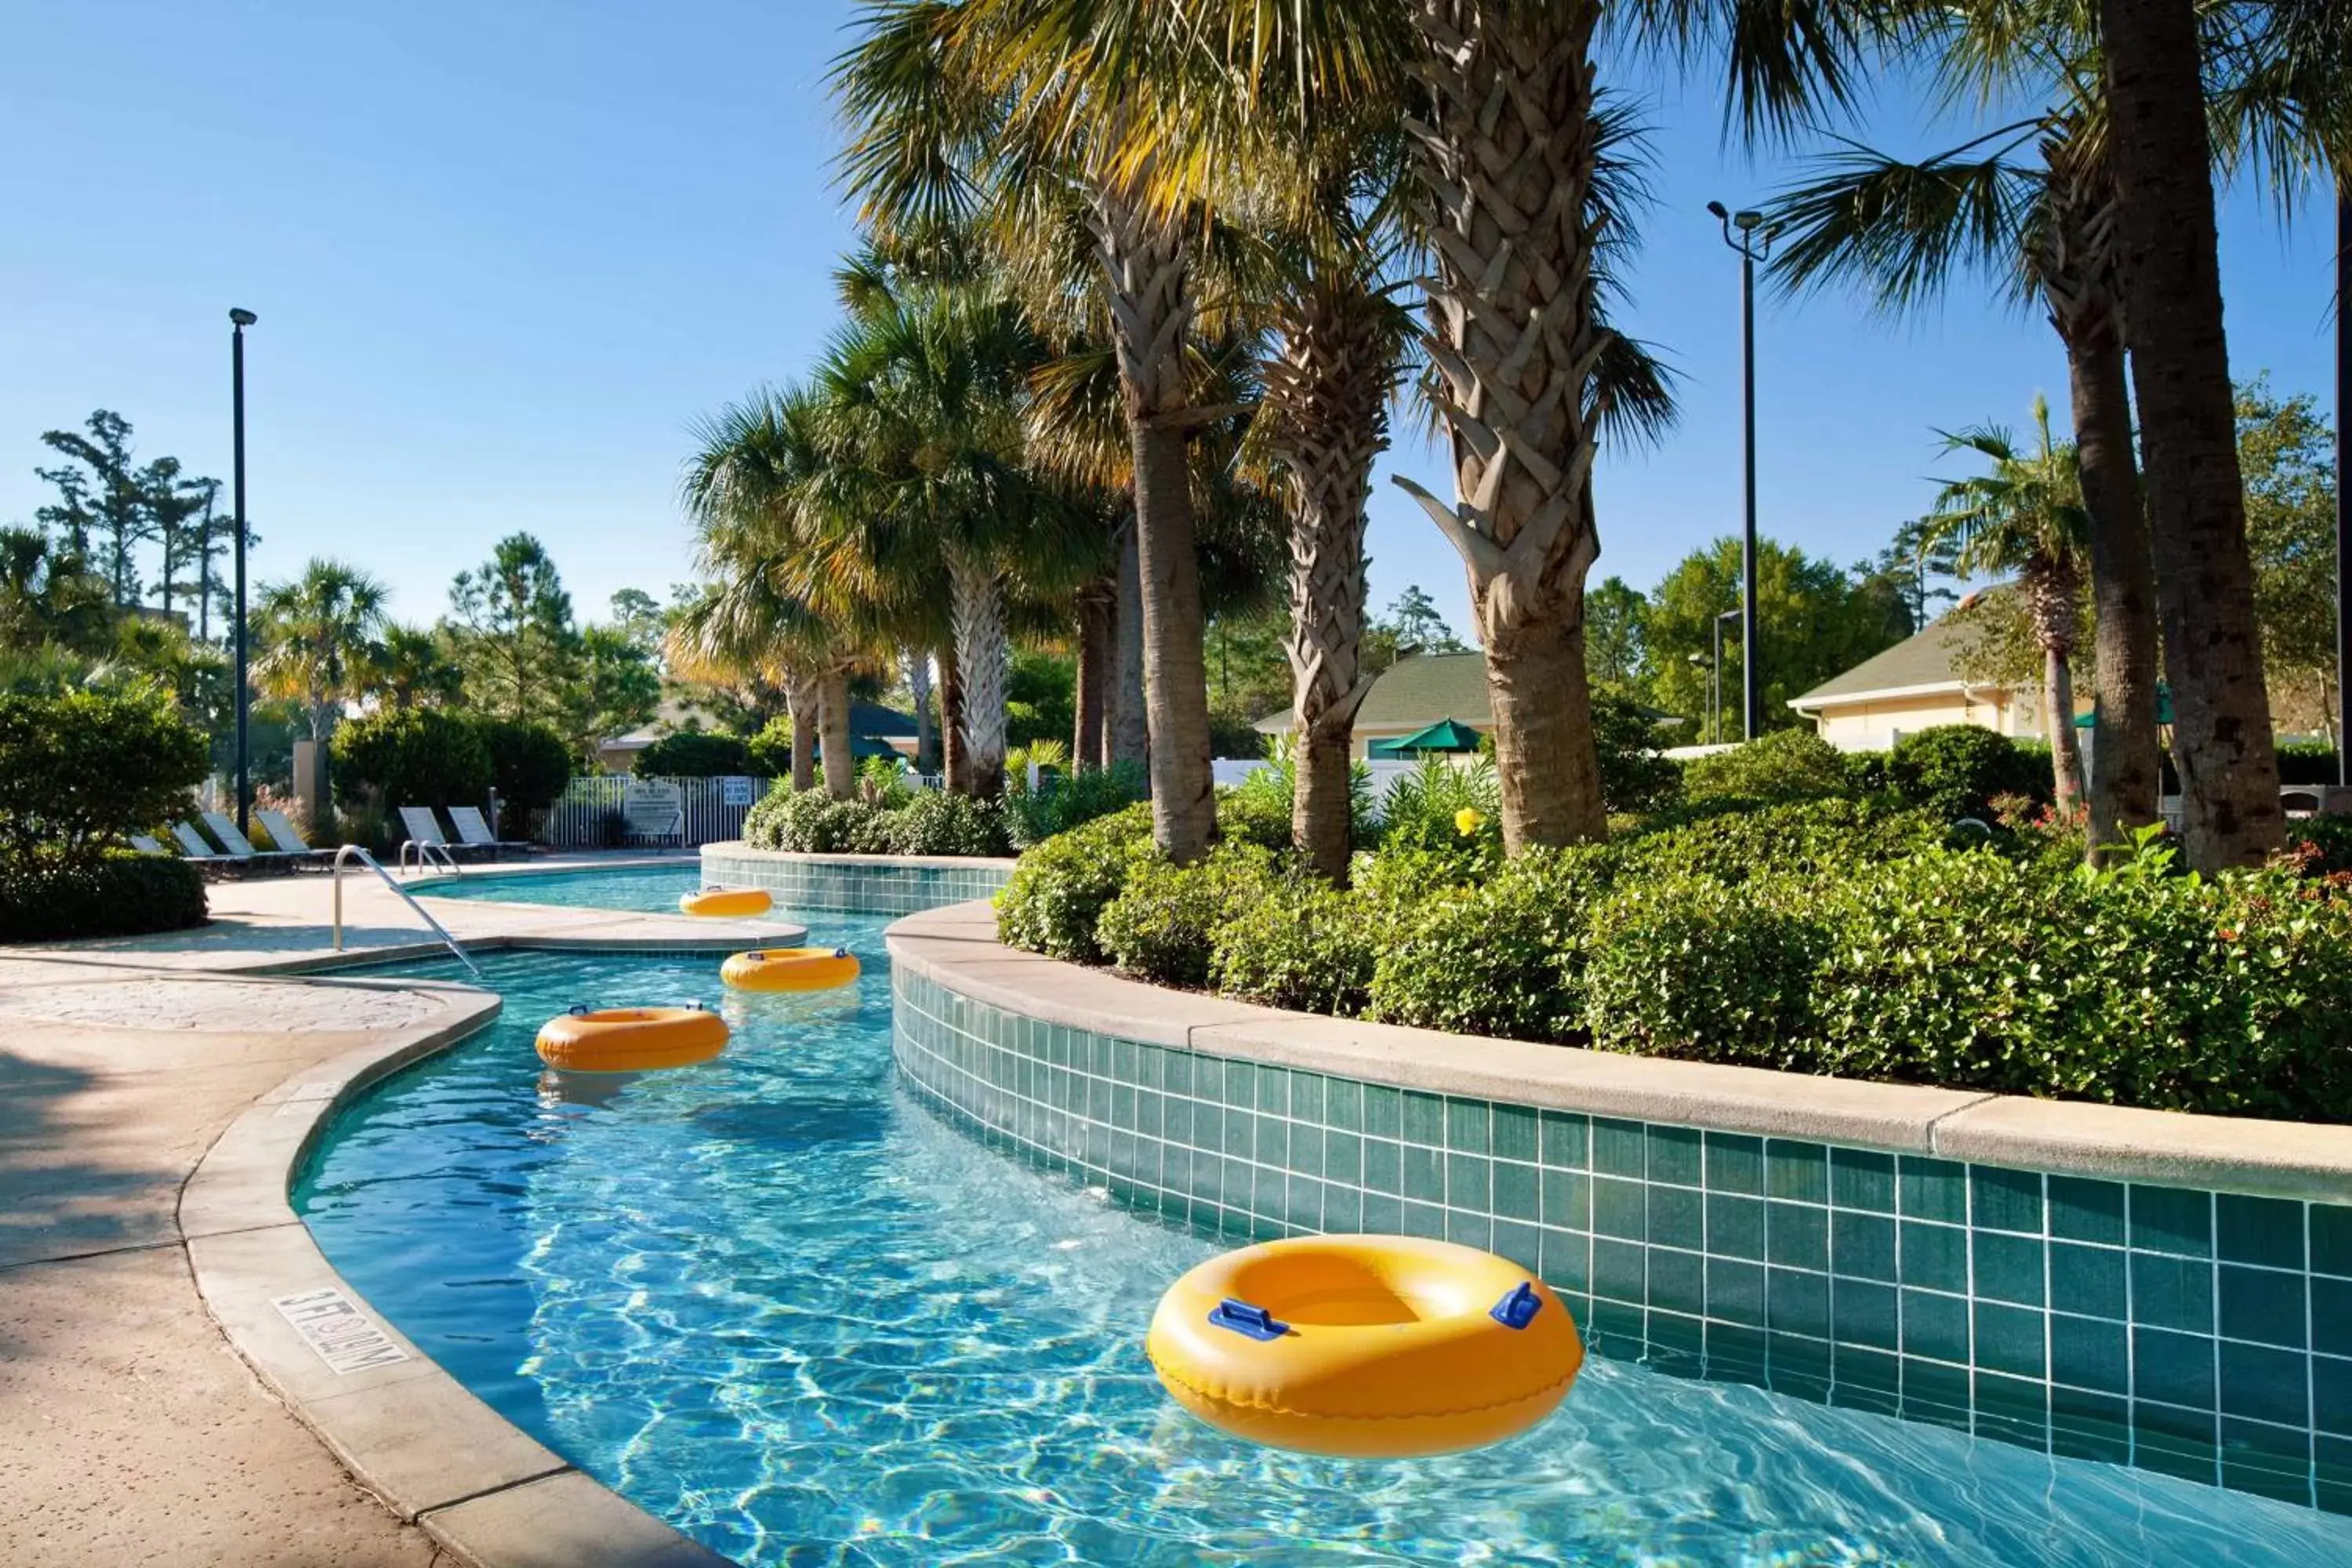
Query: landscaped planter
[[858, 884], [2142, 1288]]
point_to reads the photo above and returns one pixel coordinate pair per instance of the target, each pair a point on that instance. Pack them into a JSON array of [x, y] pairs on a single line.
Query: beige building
[[1914, 686]]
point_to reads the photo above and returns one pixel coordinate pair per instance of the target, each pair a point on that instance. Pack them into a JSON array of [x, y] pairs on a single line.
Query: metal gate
[[591, 813]]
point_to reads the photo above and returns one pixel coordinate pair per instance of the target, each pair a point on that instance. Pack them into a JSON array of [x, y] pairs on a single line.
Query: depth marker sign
[[346, 1339]]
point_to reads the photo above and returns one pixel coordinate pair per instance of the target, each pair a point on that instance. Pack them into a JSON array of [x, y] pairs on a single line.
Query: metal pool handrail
[[423, 853], [354, 852]]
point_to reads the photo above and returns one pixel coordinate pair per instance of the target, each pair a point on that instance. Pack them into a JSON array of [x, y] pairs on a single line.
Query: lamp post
[[238, 320], [2343, 480], [1751, 247]]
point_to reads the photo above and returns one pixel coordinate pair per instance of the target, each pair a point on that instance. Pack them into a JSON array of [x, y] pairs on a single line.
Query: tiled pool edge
[[409, 1433], [2166, 1291], [854, 884]]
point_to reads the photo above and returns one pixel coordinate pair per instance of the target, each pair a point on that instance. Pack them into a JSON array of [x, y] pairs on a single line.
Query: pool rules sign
[[345, 1338]]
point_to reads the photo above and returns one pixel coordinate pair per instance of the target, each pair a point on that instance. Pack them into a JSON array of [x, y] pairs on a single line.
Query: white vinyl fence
[[616, 810]]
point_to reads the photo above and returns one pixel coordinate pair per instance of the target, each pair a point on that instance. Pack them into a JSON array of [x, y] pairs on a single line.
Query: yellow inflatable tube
[[725, 902], [631, 1039], [791, 968], [1365, 1346]]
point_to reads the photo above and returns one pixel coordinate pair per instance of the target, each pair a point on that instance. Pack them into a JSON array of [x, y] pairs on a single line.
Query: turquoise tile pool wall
[[2201, 1334], [866, 887]]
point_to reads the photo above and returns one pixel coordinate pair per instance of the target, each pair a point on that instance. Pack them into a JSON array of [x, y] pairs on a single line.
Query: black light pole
[[238, 321], [1751, 248], [2343, 479]]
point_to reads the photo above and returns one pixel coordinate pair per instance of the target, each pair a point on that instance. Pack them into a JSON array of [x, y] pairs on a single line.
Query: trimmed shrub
[[1304, 945], [1786, 764], [1689, 966], [530, 765], [1634, 776], [1164, 922], [763, 824], [934, 822], [1955, 770], [1819, 836], [1057, 893], [2321, 845], [80, 770], [699, 755], [420, 756], [771, 749], [811, 822], [2306, 763], [1504, 957], [48, 898]]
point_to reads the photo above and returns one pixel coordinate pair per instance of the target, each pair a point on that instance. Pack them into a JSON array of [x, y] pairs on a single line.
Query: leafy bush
[[80, 770], [882, 782], [1955, 770], [1634, 776], [53, 898], [2321, 845], [697, 754], [763, 824], [419, 756], [934, 822], [2306, 763], [1164, 922], [1303, 945], [1818, 836], [810, 822], [1786, 764], [1686, 965], [530, 765], [1425, 812], [771, 749], [1504, 956], [1057, 893], [1067, 800]]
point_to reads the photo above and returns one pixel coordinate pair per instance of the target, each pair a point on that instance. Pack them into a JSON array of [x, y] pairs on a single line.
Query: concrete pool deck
[[160, 1090]]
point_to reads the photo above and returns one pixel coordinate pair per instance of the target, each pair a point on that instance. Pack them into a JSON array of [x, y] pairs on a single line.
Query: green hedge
[[80, 771], [530, 765], [919, 822], [416, 756], [119, 893], [1833, 936]]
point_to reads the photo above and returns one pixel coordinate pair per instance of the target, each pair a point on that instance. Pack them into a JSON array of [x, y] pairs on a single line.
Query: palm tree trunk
[[1129, 736], [833, 704], [2080, 281], [801, 702], [1504, 164], [2050, 598], [2180, 368], [1151, 309], [984, 660], [1097, 609], [919, 689], [955, 763], [1326, 397]]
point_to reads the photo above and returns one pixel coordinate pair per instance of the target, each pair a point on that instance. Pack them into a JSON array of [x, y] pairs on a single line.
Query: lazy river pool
[[779, 1303]]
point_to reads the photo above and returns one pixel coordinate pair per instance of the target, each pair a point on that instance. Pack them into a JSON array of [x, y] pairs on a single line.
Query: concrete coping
[[956, 947], [411, 1434], [735, 847]]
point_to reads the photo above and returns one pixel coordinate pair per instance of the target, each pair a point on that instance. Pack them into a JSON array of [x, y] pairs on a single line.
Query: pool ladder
[[355, 852]]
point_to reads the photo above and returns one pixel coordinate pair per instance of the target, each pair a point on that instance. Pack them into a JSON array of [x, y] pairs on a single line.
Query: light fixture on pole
[[238, 320], [1751, 247]]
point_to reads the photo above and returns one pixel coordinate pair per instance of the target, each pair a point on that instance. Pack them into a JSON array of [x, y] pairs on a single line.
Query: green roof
[[1415, 692], [1927, 658]]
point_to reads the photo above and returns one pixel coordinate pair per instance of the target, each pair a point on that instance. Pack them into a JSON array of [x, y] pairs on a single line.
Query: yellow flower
[[1469, 820]]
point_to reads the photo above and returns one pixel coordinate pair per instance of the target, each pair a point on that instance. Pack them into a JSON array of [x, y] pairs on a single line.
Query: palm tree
[[965, 111], [412, 670], [921, 398], [1508, 146], [50, 595], [2029, 207], [2026, 519], [2162, 159], [318, 637]]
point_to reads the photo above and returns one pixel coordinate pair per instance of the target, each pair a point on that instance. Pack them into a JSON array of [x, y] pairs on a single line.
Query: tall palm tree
[[2030, 209], [1509, 142], [319, 639], [412, 670], [964, 109], [2026, 519], [2162, 158]]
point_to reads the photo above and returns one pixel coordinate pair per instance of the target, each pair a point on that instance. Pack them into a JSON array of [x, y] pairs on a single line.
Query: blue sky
[[505, 255]]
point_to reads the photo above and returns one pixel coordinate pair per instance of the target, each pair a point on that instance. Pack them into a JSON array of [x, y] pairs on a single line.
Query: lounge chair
[[146, 845], [424, 828], [288, 839], [475, 832], [240, 848], [193, 847]]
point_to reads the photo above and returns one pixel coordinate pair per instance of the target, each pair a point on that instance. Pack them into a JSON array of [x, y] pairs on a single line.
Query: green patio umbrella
[[1446, 735]]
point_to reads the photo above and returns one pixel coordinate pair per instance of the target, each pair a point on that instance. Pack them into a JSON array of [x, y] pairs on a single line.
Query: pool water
[[651, 889], [783, 1305]]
